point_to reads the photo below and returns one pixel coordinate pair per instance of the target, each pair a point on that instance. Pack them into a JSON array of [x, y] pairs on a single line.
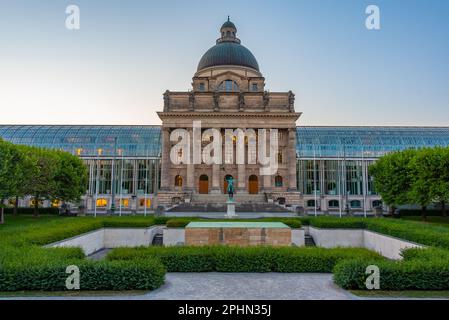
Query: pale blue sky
[[127, 53]]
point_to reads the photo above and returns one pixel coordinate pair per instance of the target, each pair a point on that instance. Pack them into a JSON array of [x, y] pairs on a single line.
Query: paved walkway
[[237, 286]]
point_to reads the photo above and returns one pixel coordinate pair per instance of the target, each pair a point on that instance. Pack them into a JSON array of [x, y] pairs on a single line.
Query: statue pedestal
[[231, 209]]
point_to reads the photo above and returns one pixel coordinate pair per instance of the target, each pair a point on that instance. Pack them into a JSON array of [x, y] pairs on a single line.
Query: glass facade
[[332, 162], [89, 141]]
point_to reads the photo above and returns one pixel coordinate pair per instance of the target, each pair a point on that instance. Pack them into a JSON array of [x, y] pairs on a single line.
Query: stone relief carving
[[216, 100], [166, 100], [241, 102], [291, 101], [266, 100], [191, 101]]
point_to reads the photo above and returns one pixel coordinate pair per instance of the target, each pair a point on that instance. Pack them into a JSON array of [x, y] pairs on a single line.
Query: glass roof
[[370, 142], [86, 141], [145, 141]]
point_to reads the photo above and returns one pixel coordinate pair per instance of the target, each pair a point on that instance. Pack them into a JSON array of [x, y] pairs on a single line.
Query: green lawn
[[26, 266], [441, 221]]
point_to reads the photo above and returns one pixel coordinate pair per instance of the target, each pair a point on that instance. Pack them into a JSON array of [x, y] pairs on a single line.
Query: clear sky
[[127, 53]]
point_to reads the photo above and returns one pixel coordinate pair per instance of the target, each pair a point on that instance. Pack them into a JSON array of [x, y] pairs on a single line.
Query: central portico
[[228, 92]]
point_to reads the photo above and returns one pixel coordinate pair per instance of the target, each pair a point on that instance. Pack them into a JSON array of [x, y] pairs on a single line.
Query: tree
[[71, 177], [393, 177], [431, 177], [10, 159], [40, 182]]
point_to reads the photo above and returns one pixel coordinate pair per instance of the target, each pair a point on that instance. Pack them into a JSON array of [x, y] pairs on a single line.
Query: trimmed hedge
[[139, 274], [400, 275], [426, 234], [30, 211], [244, 259], [26, 265]]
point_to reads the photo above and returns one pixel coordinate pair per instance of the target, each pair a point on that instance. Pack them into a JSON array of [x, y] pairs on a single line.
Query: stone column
[[190, 185], [165, 162], [266, 183], [215, 179], [291, 150], [241, 178]]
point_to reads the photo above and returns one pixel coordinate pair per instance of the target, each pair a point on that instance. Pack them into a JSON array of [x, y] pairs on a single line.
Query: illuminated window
[[55, 203], [100, 151], [124, 202], [178, 181], [78, 151], [102, 202], [142, 202], [33, 202]]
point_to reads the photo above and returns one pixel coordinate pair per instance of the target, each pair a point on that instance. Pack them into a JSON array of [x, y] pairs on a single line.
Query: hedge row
[[56, 230], [30, 211], [414, 274], [426, 234], [139, 274], [244, 259]]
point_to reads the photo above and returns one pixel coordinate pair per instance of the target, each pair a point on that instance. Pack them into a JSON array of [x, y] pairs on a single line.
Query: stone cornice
[[187, 114]]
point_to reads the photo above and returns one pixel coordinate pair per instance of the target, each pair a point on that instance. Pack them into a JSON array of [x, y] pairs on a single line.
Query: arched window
[[278, 182], [228, 86], [334, 204], [178, 181], [377, 203], [311, 203], [356, 204]]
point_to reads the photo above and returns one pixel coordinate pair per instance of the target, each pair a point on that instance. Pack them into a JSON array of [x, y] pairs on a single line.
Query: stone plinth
[[238, 233]]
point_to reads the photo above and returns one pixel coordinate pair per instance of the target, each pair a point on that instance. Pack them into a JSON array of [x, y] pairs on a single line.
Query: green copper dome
[[228, 53]]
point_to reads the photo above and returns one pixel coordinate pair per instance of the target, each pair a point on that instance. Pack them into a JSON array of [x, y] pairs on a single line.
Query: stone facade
[[229, 95], [238, 236]]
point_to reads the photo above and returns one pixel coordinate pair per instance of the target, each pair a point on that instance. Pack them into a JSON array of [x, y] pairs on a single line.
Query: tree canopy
[[43, 174], [418, 177]]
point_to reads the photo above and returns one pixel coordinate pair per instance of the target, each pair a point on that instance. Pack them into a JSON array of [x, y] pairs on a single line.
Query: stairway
[[309, 242], [222, 198], [158, 240]]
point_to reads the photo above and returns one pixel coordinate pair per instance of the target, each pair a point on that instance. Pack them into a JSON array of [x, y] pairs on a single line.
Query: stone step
[[158, 240], [222, 198], [221, 207], [309, 242]]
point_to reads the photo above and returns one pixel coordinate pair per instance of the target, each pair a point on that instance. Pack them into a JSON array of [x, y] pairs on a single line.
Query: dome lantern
[[228, 51], [228, 32]]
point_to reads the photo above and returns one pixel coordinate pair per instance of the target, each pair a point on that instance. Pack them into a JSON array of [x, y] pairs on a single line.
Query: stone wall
[[238, 236]]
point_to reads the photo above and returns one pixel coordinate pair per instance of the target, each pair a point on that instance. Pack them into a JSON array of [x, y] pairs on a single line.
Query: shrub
[[333, 222], [398, 275], [244, 259], [30, 211], [140, 274]]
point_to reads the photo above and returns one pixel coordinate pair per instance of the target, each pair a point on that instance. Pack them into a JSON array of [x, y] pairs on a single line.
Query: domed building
[[228, 94], [135, 169]]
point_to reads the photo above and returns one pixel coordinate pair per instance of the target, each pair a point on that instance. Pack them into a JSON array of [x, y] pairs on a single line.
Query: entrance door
[[204, 184], [253, 184], [225, 183]]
